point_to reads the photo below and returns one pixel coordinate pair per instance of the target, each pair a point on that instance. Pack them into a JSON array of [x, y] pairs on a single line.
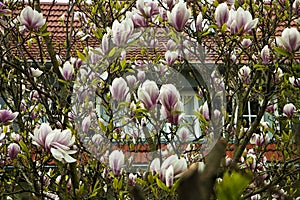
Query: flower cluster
[[58, 142], [237, 21]]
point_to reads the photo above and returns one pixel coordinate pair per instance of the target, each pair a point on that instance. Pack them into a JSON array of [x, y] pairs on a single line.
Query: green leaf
[[45, 34], [112, 52], [23, 147], [115, 183], [81, 55], [224, 28], [232, 186], [43, 27], [140, 181], [282, 51], [259, 67], [162, 185], [80, 190]]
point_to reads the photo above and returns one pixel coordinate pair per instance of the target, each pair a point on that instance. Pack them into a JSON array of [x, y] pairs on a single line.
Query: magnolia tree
[[76, 117]]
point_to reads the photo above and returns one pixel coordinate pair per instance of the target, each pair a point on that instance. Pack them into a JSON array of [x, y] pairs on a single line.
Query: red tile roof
[[58, 31]]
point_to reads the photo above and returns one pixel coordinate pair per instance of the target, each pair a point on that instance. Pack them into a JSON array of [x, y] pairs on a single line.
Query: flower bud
[[13, 150], [222, 14], [179, 16], [119, 89], [289, 109], [265, 55]]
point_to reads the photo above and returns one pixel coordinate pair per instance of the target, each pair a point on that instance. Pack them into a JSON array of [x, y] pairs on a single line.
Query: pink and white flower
[[121, 32], [244, 74], [116, 161], [119, 89], [169, 176], [199, 22], [40, 134], [148, 93], [246, 42], [289, 109], [179, 16], [222, 14], [13, 150], [179, 166], [265, 55], [294, 81], [240, 21], [31, 19], [171, 57], [35, 72], [7, 116], [67, 71], [58, 142], [147, 9], [290, 39], [205, 111]]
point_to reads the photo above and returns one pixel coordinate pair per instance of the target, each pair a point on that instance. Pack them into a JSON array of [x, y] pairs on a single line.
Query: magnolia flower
[[139, 20], [199, 22], [119, 89], [131, 81], [141, 75], [40, 134], [13, 150], [205, 110], [217, 114], [171, 46], [246, 42], [179, 166], [148, 94], [255, 197], [35, 72], [67, 71], [31, 19], [116, 161], [290, 39], [294, 81], [7, 116], [169, 3], [241, 21], [179, 16], [105, 44], [172, 116], [171, 57], [16, 137], [121, 32], [183, 134], [222, 14], [289, 109], [265, 55], [155, 166], [296, 6], [5, 12], [147, 9], [86, 122], [232, 58], [270, 109], [163, 13], [97, 138], [169, 96], [169, 176], [94, 55], [58, 143], [259, 139], [131, 179], [244, 74]]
